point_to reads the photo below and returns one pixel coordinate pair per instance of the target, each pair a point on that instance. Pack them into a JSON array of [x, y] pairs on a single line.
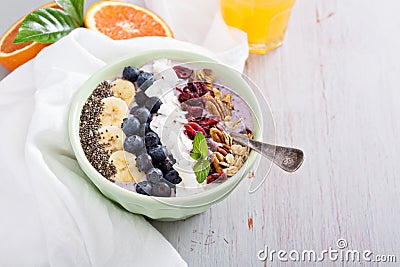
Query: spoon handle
[[287, 158]]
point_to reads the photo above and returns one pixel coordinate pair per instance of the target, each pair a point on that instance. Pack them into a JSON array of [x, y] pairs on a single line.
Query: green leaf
[[200, 145], [201, 170], [45, 25], [74, 8], [200, 153], [196, 142], [195, 155]]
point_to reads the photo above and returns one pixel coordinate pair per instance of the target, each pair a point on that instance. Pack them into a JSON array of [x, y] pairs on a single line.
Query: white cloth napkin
[[51, 213]]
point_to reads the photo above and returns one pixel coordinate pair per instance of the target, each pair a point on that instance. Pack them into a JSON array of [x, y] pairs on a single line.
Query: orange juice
[[265, 21]]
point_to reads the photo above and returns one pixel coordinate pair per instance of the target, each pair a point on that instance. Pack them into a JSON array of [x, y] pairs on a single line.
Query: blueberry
[[151, 139], [141, 98], [154, 175], [143, 162], [142, 114], [153, 104], [161, 189], [133, 109], [130, 126], [130, 73], [145, 80], [142, 151], [165, 151], [158, 154], [173, 177], [142, 130], [144, 188], [165, 166], [173, 160], [147, 128], [134, 144]]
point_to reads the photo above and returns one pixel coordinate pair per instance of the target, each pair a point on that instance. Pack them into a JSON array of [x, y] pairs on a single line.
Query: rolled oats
[[238, 162], [229, 158], [230, 171], [228, 123], [236, 149], [224, 164]]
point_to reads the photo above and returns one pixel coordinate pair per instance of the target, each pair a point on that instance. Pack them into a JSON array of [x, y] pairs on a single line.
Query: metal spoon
[[287, 158]]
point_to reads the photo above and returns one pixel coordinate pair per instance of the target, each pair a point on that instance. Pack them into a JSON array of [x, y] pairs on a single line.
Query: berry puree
[[164, 129]]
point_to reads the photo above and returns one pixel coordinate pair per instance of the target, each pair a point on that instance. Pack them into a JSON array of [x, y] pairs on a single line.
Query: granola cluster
[[210, 111]]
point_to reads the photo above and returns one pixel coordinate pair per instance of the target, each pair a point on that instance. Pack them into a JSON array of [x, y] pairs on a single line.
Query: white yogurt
[[169, 122]]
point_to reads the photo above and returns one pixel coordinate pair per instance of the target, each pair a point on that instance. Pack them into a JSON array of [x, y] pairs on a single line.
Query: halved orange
[[13, 55], [122, 20]]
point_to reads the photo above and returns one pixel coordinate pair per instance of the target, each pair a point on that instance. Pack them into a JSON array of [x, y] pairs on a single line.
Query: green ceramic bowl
[[173, 208]]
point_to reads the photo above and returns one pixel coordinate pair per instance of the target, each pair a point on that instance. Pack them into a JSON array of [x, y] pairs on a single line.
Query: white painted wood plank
[[333, 88]]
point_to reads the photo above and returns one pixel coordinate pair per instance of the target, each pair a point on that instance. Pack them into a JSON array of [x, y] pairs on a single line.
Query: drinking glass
[[265, 21]]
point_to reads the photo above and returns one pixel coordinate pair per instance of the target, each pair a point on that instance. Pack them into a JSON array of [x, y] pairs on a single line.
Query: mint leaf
[[200, 145], [74, 8], [201, 170], [45, 25], [196, 142], [195, 155], [200, 153]]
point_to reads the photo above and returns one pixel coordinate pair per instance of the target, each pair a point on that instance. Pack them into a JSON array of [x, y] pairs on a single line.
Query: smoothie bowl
[[152, 132]]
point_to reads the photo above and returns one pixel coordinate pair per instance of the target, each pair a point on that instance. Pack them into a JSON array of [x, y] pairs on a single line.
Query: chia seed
[[89, 134]]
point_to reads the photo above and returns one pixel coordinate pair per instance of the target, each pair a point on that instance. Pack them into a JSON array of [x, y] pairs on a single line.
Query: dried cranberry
[[207, 130], [184, 106], [248, 131], [192, 90], [182, 72], [201, 88], [208, 121], [190, 132], [205, 122], [186, 89], [183, 97], [197, 102], [196, 127], [190, 87], [217, 177], [194, 112], [196, 87], [192, 129]]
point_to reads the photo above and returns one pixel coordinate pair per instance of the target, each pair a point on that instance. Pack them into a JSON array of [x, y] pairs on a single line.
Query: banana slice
[[123, 89], [114, 111], [125, 164], [112, 138]]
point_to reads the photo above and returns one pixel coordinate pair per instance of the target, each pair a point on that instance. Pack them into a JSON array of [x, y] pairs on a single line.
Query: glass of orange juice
[[265, 21]]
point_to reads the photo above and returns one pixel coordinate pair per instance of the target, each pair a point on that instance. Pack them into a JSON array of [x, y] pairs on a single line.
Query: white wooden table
[[334, 89]]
